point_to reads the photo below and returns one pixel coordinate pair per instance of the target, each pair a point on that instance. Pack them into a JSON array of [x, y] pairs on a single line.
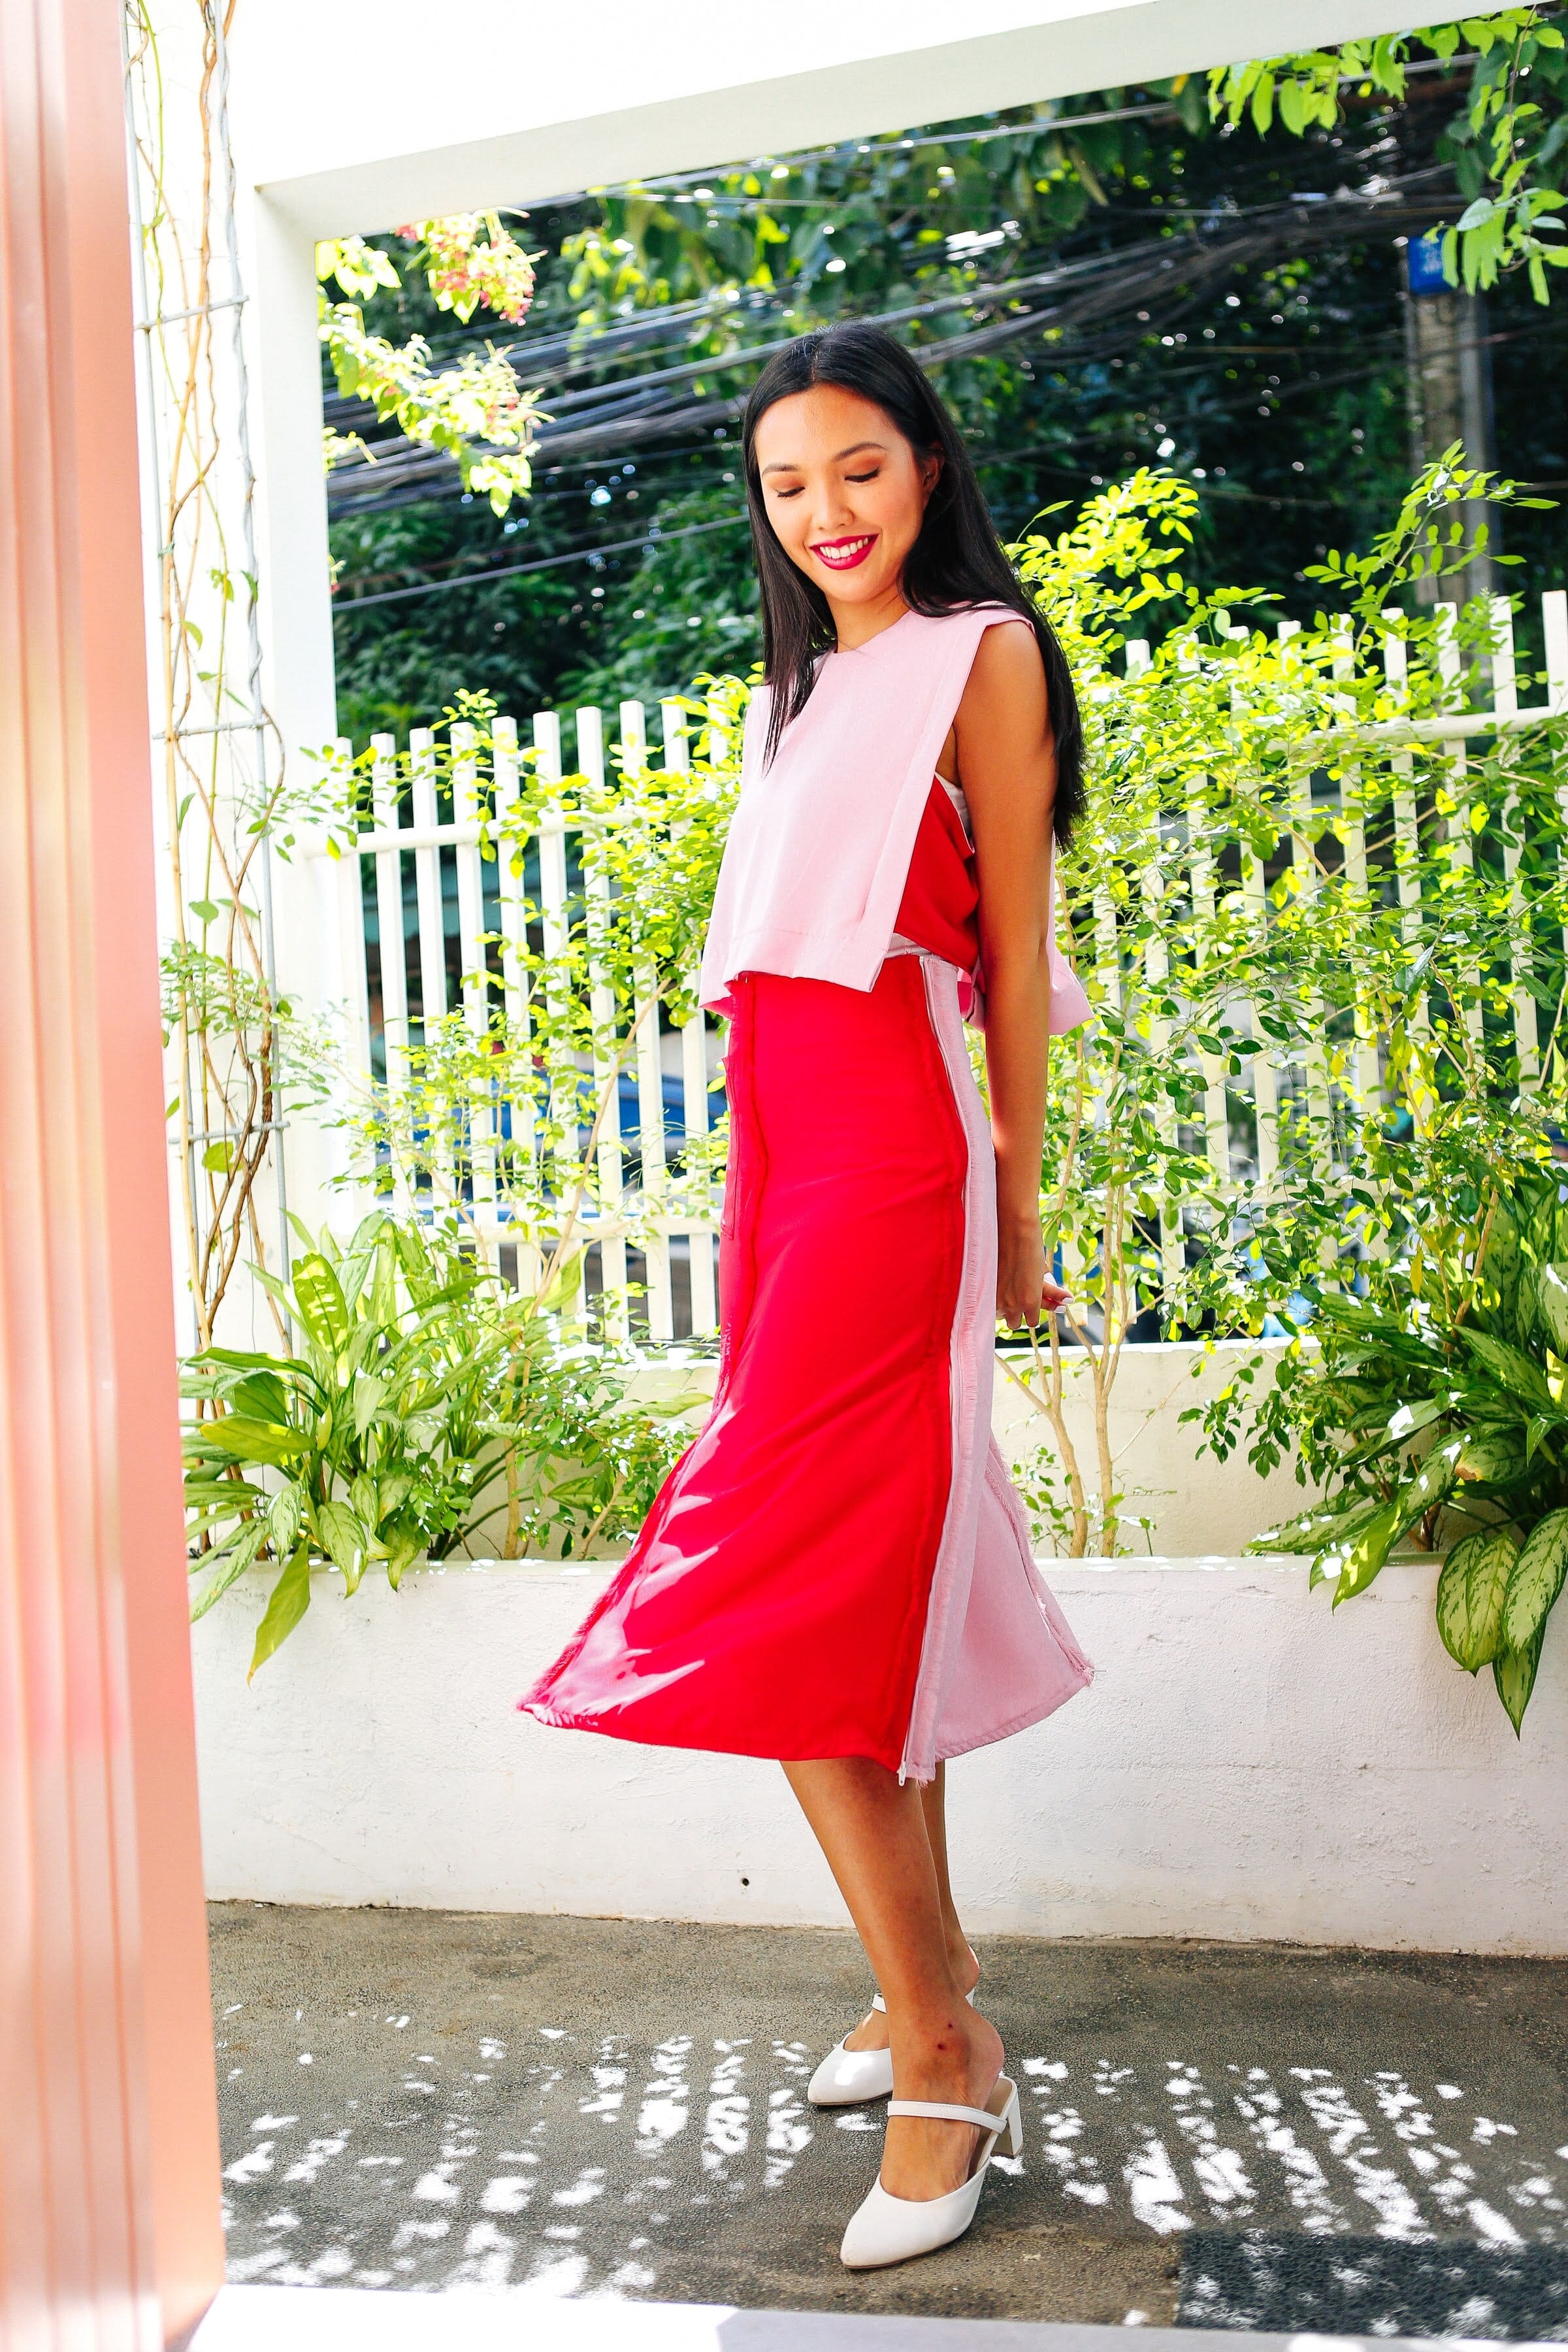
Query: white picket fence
[[677, 1272], [1241, 1117]]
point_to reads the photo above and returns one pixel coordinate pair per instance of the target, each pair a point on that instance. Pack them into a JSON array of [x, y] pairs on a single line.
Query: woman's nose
[[831, 511]]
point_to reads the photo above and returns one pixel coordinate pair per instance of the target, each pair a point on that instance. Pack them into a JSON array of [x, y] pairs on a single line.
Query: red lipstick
[[844, 554]]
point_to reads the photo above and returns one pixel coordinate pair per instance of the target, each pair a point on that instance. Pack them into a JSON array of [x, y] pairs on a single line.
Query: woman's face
[[845, 492]]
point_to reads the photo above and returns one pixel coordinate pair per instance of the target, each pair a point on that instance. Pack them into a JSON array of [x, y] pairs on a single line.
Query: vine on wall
[[220, 766], [240, 1057]]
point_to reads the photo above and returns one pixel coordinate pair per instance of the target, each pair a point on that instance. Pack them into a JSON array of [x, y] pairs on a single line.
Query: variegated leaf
[[1535, 1580], [1471, 1591], [1513, 1671], [1364, 1559], [229, 1567], [284, 1519], [344, 1540], [1552, 1305]]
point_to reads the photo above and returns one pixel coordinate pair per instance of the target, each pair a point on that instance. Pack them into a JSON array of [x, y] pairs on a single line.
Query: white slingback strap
[[986, 2121], [878, 2002]]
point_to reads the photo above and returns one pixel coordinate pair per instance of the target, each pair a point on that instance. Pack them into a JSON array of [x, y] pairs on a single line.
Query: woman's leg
[[873, 1831], [871, 2033], [933, 1806]]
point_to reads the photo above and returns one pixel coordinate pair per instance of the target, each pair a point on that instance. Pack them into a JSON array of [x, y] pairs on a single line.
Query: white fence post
[[1304, 866], [1156, 978], [607, 1057], [1446, 616], [1265, 1078], [1352, 808], [649, 1056], [517, 1109], [1406, 829], [554, 923], [350, 935], [392, 933], [693, 1070], [1200, 862], [432, 914], [474, 977], [1505, 702], [427, 881]]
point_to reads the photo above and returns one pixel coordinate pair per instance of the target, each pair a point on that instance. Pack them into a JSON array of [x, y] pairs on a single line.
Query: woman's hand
[[1023, 1292]]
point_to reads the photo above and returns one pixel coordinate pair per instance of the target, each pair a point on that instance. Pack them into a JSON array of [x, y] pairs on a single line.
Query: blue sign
[[1424, 265]]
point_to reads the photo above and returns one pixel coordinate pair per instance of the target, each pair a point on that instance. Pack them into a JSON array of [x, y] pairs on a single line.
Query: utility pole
[[1448, 395]]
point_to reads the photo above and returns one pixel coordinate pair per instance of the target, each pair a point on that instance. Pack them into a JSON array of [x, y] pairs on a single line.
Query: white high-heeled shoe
[[847, 2078], [895, 2229]]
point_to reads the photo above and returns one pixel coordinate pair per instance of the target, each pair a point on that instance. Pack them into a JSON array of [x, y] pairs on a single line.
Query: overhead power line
[[1092, 292], [648, 541]]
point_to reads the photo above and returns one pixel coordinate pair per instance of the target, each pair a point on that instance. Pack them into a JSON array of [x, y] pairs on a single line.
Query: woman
[[837, 1572]]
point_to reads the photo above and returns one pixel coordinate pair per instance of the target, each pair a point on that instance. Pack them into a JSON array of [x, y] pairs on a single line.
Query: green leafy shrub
[[1435, 1409], [1311, 925], [425, 1400]]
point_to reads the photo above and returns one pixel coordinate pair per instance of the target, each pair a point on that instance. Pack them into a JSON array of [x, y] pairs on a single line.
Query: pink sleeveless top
[[820, 846]]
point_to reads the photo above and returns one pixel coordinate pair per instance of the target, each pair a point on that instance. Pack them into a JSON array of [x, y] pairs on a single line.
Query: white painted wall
[[1245, 1766], [1198, 1505]]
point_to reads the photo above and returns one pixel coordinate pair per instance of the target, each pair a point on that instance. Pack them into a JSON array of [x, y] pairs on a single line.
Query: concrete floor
[[424, 2100]]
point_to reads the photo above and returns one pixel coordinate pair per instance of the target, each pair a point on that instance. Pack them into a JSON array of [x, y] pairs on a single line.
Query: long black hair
[[956, 562]]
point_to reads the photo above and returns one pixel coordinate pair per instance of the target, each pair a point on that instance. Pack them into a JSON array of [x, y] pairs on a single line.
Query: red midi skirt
[[838, 1565]]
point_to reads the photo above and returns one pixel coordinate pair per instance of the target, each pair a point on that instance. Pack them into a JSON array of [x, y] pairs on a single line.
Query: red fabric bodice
[[940, 906]]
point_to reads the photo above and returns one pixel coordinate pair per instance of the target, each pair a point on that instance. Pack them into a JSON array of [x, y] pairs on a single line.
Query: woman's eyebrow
[[793, 465]]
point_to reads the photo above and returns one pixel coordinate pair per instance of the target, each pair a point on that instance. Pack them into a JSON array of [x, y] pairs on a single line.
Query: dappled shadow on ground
[[424, 2100]]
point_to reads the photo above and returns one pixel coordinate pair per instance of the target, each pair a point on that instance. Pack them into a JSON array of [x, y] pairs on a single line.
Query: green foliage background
[[1281, 389]]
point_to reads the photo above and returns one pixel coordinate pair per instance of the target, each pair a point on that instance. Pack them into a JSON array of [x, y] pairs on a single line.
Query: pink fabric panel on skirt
[[998, 1654]]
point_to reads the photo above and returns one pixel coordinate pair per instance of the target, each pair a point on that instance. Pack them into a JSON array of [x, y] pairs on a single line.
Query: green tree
[[475, 410], [1506, 145], [1277, 387]]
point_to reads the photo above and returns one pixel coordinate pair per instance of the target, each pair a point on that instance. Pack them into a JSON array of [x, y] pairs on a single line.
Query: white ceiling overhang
[[349, 122]]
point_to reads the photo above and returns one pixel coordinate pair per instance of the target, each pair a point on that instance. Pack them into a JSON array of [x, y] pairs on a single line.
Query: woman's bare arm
[[1006, 765]]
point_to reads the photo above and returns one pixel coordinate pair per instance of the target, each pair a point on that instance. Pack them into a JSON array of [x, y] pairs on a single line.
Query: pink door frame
[[109, 2163]]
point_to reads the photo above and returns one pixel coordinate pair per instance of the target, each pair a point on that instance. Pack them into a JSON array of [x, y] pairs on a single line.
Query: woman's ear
[[930, 468]]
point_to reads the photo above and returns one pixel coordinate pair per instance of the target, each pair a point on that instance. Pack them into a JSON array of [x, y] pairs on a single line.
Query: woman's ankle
[[961, 1960], [947, 2057]]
